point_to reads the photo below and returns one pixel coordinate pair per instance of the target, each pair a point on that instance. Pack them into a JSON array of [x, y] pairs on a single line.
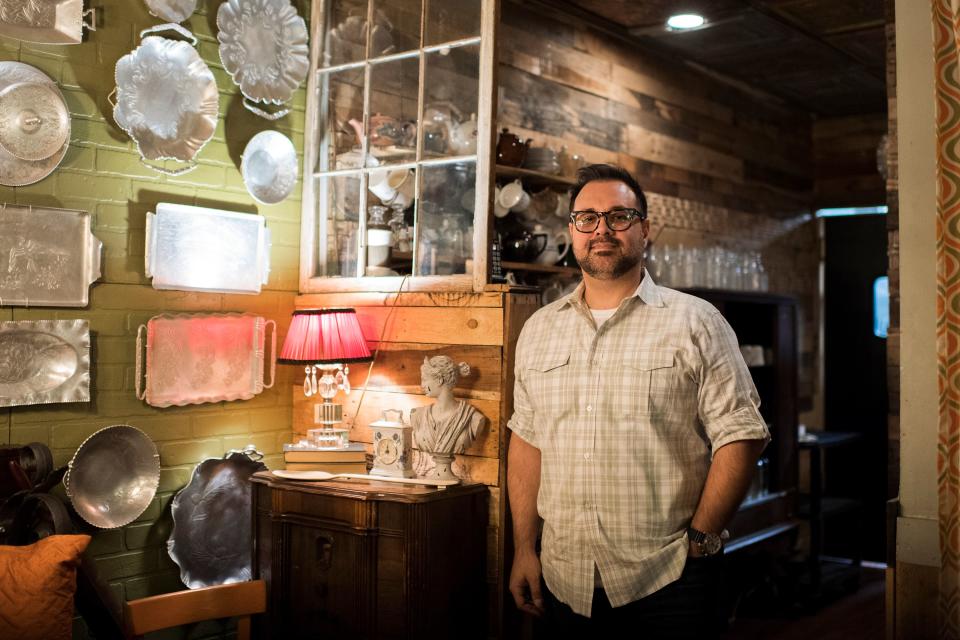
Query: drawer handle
[[324, 552]]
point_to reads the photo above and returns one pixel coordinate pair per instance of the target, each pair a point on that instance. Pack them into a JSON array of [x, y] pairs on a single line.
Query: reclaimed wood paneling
[[845, 157]]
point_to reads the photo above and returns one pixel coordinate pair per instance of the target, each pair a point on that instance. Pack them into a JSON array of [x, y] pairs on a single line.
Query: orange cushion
[[37, 583]]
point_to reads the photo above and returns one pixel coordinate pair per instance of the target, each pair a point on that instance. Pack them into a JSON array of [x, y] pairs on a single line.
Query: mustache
[[602, 241]]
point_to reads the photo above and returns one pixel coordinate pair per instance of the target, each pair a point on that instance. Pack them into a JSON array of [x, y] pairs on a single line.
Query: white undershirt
[[602, 315]]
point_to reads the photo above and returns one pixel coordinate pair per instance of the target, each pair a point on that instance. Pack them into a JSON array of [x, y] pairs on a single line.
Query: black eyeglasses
[[616, 219]]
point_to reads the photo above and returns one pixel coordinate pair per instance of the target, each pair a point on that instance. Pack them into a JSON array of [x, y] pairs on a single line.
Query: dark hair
[[608, 172]]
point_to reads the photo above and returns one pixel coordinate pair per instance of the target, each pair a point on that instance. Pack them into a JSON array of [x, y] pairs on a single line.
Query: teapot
[[523, 246], [511, 151], [386, 131], [463, 137]]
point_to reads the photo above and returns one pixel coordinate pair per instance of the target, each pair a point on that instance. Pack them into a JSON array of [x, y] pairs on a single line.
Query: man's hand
[[525, 583]]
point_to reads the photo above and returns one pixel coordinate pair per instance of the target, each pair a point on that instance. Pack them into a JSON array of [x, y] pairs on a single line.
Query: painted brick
[[152, 585], [285, 234], [276, 419], [108, 377], [175, 478], [87, 133], [221, 424], [274, 461], [177, 453], [32, 433], [265, 443], [46, 63], [123, 163], [78, 158], [104, 188], [152, 512], [127, 564], [72, 435], [106, 542], [165, 427], [82, 104], [151, 534]]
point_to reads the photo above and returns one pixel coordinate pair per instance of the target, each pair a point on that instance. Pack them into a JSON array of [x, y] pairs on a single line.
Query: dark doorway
[[855, 383]]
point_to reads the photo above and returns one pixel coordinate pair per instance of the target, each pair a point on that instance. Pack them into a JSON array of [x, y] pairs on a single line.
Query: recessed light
[[684, 21]]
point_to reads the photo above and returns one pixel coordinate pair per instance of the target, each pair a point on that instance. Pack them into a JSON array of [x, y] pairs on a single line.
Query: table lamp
[[327, 340]]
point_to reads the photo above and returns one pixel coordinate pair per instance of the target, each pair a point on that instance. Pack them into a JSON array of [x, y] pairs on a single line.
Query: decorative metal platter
[[44, 361], [167, 99], [263, 46], [211, 533], [269, 167], [192, 359], [172, 10], [198, 249], [34, 121], [14, 171], [45, 21], [113, 476], [48, 257]]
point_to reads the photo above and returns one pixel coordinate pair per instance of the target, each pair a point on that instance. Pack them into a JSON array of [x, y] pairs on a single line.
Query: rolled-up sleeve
[[727, 403], [522, 420]]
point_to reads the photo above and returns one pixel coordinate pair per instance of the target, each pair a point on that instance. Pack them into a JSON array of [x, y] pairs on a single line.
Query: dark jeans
[[687, 608]]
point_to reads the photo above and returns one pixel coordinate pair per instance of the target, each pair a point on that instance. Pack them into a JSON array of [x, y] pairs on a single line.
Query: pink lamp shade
[[324, 336]]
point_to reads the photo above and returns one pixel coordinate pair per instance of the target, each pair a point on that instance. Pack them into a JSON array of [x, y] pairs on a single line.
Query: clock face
[[387, 451]]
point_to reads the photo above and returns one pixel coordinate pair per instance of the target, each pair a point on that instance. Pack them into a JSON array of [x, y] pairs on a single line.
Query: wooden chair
[[240, 599]]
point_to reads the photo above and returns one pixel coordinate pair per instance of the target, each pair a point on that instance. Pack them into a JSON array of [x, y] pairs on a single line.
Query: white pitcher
[[558, 245]]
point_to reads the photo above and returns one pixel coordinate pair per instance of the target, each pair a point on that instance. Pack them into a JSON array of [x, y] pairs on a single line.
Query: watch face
[[711, 544], [387, 451]]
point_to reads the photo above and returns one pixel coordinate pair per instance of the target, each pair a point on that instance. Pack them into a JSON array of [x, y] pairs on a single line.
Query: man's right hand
[[525, 583]]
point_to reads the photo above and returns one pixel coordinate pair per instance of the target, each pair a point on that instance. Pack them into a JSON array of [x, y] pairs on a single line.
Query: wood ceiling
[[824, 56]]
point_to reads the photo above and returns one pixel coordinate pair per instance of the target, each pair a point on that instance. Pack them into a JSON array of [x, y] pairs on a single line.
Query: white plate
[[269, 167]]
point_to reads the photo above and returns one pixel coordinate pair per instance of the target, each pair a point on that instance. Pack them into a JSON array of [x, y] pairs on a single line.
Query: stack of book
[[352, 459]]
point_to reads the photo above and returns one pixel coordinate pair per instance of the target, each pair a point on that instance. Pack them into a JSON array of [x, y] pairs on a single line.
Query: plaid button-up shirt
[[626, 418]]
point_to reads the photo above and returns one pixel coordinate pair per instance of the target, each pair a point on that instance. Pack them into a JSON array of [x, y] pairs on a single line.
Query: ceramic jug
[[558, 245], [511, 151], [523, 246]]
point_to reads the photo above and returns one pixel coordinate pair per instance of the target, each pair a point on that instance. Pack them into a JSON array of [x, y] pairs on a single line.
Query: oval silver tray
[[264, 48], [45, 21], [15, 172], [211, 533], [113, 476], [167, 99], [44, 361]]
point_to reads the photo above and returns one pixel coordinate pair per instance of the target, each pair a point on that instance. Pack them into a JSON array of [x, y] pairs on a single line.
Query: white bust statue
[[447, 426]]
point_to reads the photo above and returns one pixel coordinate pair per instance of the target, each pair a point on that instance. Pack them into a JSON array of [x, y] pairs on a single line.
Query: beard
[[614, 262]]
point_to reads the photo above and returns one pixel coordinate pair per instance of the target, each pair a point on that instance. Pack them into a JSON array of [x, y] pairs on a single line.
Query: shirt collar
[[648, 292]]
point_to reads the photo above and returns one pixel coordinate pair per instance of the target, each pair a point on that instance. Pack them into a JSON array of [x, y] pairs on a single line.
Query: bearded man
[[635, 436]]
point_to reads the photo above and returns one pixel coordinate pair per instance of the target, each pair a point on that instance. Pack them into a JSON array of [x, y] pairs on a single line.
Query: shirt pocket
[[649, 380], [549, 385]]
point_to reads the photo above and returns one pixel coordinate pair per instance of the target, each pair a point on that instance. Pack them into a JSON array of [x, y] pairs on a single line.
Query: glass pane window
[[881, 306], [396, 137]]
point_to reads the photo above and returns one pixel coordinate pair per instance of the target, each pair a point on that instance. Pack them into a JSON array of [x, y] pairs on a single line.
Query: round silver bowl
[[113, 476], [269, 167]]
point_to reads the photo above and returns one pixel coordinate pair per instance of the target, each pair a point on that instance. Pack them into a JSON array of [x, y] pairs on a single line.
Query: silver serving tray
[[45, 21], [44, 361], [269, 167], [167, 99], [172, 10], [264, 48], [15, 172], [113, 476], [211, 533], [48, 257], [198, 358], [198, 249]]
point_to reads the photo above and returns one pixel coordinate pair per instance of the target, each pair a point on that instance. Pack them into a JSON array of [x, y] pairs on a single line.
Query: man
[[635, 437]]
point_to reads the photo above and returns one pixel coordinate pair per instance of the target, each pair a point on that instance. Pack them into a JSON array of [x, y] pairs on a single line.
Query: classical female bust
[[447, 426]]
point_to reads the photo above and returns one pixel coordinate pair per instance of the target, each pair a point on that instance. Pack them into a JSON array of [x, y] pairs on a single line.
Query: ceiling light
[[684, 21]]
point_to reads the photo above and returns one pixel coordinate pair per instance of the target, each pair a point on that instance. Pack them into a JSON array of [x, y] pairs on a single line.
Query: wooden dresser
[[359, 559]]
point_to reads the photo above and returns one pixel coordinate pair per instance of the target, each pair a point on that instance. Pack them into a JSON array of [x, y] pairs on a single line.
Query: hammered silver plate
[[34, 121], [48, 257], [44, 21], [44, 361], [199, 249], [263, 46], [172, 10], [113, 476], [167, 99], [269, 167], [15, 172], [211, 533]]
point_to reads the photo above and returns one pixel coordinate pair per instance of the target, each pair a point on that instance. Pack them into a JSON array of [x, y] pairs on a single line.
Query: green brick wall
[[102, 174]]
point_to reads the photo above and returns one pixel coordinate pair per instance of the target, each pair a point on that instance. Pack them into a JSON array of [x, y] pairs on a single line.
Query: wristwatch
[[709, 544]]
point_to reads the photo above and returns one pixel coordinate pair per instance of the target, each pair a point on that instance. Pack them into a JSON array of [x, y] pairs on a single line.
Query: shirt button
[[589, 408], [587, 456]]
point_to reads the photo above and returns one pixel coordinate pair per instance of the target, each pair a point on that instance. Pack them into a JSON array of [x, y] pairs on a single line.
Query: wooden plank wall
[[720, 165], [845, 155], [480, 329]]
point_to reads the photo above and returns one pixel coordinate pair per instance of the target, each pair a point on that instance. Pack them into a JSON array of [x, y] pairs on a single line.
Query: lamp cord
[[376, 352]]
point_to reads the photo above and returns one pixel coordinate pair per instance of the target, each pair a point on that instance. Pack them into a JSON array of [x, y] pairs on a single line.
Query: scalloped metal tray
[[44, 361], [48, 257], [45, 21]]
